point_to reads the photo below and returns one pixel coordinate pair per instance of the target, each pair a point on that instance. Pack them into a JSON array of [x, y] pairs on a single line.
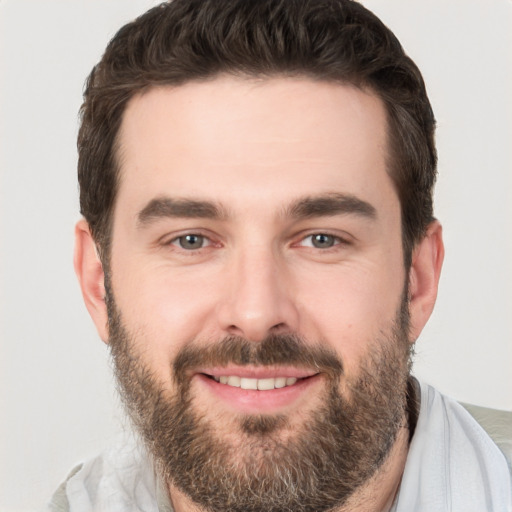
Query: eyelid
[[336, 241], [172, 239], [176, 242], [340, 239]]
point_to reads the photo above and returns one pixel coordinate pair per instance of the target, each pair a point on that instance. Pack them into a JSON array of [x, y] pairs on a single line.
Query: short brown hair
[[329, 40]]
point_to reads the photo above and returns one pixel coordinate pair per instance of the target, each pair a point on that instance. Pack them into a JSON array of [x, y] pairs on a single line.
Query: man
[[260, 253]]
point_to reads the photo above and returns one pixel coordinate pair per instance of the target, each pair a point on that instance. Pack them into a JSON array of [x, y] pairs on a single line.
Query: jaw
[[261, 451]]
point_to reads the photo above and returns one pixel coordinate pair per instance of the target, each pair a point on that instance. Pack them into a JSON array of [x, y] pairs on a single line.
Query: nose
[[258, 297]]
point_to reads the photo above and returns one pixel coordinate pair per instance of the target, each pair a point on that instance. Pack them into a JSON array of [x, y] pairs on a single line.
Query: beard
[[264, 464]]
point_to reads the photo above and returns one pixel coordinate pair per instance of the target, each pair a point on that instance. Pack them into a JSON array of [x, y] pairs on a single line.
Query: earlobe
[[89, 271], [427, 260]]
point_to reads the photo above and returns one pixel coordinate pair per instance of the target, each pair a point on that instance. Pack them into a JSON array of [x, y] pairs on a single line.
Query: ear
[[91, 277], [427, 260]]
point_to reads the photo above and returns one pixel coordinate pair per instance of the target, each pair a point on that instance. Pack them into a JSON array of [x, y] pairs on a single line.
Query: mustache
[[274, 350]]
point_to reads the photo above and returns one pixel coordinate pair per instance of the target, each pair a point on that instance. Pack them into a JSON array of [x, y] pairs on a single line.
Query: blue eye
[[191, 242], [320, 241], [323, 241]]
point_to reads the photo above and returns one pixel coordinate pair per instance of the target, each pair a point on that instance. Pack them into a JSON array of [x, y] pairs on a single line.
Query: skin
[[254, 149]]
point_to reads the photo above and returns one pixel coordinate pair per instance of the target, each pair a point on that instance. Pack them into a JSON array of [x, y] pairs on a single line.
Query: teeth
[[260, 384], [234, 381], [266, 384], [248, 383], [280, 382]]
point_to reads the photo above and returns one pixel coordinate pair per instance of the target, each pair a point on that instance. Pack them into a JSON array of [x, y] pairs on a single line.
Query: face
[[256, 285]]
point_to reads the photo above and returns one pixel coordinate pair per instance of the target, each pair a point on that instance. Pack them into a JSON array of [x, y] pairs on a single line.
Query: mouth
[[257, 390], [260, 384]]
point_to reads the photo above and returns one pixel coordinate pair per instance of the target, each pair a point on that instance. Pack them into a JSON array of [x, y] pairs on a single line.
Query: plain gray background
[[57, 398]]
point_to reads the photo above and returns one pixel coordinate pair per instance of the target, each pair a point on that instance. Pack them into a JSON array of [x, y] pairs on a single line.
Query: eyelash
[[336, 241], [176, 242]]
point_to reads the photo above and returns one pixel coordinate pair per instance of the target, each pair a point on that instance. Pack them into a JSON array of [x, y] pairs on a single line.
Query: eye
[[321, 241], [191, 242]]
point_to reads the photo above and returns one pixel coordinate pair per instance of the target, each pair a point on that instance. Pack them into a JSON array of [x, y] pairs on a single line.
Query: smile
[[258, 390], [259, 384]]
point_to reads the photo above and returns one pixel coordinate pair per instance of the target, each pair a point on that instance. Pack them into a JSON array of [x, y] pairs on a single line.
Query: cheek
[[162, 310], [350, 309]]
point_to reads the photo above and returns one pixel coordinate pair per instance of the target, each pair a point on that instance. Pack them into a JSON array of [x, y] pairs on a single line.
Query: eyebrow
[[330, 204], [303, 208], [165, 207]]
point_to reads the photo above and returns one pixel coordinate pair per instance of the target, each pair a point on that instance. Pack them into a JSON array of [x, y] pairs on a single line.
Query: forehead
[[234, 137]]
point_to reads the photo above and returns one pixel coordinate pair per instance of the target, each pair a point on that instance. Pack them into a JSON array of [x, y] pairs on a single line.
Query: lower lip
[[258, 402]]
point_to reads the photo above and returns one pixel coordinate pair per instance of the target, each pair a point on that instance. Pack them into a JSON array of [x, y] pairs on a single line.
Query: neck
[[379, 493]]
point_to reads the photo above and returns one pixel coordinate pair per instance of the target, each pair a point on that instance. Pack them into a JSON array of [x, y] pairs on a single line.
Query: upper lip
[[258, 372]]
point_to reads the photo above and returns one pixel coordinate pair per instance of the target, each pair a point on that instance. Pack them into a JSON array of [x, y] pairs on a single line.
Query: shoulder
[[498, 424], [59, 501], [120, 479], [452, 463], [484, 431]]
